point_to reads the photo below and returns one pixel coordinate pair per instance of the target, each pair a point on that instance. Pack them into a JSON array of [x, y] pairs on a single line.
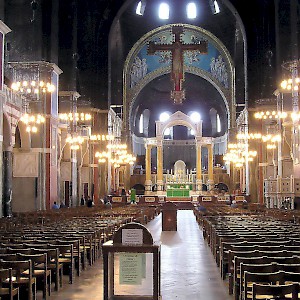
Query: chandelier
[[32, 81], [291, 84], [238, 154], [117, 155], [102, 137], [75, 141], [71, 117], [32, 121], [264, 115], [31, 91], [32, 87]]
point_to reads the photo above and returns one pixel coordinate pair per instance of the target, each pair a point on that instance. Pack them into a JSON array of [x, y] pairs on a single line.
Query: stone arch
[[179, 166], [115, 33], [24, 135], [222, 186], [130, 93], [178, 118], [140, 188]]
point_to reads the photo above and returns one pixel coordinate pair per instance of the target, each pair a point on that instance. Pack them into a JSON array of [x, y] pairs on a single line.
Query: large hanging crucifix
[[177, 49]]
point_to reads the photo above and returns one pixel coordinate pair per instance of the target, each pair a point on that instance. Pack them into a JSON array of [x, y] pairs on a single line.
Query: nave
[[188, 270]]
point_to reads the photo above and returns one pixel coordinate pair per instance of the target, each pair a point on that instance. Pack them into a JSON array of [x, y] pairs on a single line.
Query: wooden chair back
[[266, 291], [6, 277]]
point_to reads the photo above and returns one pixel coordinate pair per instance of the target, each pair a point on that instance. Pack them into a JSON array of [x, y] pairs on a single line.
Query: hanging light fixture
[[75, 141], [102, 137], [117, 155], [33, 87], [32, 121], [31, 90], [78, 117]]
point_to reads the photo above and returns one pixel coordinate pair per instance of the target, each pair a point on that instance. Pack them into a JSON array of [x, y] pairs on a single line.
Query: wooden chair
[[264, 291], [79, 249], [280, 263], [25, 282], [8, 256], [66, 258], [79, 254], [260, 269], [18, 250], [39, 271], [52, 264], [11, 245], [281, 277], [6, 279]]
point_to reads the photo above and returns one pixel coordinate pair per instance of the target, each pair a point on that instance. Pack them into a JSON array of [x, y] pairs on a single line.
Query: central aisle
[[188, 269]]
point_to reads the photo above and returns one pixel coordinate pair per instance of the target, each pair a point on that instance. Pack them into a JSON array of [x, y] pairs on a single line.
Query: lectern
[[169, 216], [131, 265]]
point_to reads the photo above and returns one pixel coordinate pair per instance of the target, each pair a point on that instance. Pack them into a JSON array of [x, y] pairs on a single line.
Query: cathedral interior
[[194, 102]]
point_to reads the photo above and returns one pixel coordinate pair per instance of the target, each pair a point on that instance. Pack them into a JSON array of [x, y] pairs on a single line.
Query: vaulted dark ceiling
[[75, 35]]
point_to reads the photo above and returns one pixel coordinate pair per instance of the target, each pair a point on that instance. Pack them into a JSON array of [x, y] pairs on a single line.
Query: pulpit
[[169, 217]]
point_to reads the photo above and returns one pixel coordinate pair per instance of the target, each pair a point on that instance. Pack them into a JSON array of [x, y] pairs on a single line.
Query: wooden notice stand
[[128, 242], [169, 217]]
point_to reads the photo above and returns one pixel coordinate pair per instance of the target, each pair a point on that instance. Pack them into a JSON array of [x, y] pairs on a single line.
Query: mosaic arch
[[216, 66]]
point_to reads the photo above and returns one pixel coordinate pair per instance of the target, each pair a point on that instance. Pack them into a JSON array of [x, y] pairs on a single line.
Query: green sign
[[132, 268]]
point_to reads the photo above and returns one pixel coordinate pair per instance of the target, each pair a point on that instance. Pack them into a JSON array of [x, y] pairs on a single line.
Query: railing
[[12, 98]]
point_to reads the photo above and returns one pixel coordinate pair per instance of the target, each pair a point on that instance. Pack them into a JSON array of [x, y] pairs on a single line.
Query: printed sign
[[194, 198], [117, 199], [132, 236], [206, 199], [131, 268], [222, 198], [149, 199], [161, 198], [239, 198]]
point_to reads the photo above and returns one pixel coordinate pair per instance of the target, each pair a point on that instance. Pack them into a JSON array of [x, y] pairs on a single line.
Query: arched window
[[164, 11], [191, 132], [219, 128], [163, 117], [191, 10], [195, 118], [140, 8], [141, 124]]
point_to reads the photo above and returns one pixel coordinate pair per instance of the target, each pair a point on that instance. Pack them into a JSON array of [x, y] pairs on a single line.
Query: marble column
[[160, 183], [74, 177], [210, 167], [7, 182], [148, 181], [198, 167]]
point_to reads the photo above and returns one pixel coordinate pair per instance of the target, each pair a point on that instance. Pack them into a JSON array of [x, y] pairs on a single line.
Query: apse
[[201, 97]]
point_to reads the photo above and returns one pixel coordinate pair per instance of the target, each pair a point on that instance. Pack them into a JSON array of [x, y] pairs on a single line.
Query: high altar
[[179, 184], [182, 183]]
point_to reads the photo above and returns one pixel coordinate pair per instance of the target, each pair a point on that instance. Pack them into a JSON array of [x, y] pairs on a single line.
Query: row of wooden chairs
[[38, 253], [255, 243], [274, 278], [242, 264]]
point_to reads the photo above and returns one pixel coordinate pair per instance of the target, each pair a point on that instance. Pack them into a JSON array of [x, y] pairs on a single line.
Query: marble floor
[[188, 270]]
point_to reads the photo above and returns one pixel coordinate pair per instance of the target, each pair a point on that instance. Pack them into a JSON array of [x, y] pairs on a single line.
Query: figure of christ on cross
[[177, 49]]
